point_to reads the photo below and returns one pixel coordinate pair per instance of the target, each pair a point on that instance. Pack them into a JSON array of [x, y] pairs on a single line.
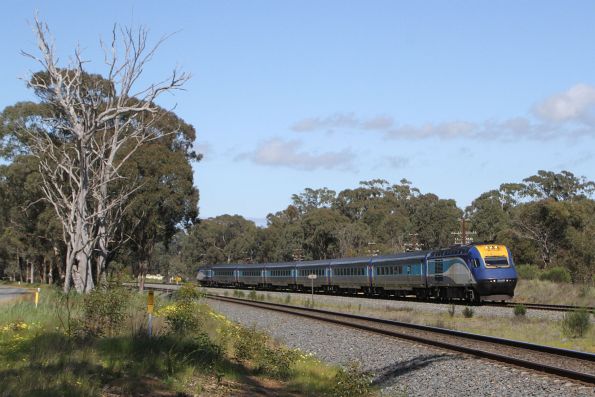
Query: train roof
[[450, 251], [401, 256]]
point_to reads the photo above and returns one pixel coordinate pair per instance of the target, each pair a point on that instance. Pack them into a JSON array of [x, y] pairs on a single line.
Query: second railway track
[[569, 364]]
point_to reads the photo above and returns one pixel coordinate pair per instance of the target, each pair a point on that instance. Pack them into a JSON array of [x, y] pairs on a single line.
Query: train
[[474, 272]]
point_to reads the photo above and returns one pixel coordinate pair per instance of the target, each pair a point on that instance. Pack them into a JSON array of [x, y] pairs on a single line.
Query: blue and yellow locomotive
[[472, 272]]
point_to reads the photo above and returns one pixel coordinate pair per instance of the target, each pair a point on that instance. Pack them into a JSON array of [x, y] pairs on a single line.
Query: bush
[[468, 312], [575, 324], [183, 315], [256, 347], [351, 382], [520, 310], [104, 310], [247, 343], [557, 275], [528, 272], [252, 295]]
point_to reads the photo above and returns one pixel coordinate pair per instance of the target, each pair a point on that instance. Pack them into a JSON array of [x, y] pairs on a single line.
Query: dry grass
[[540, 291]]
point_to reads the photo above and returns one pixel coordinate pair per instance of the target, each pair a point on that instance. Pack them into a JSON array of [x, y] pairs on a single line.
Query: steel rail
[[319, 314], [529, 306]]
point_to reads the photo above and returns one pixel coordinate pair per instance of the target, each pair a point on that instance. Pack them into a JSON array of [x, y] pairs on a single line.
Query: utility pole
[[463, 231]]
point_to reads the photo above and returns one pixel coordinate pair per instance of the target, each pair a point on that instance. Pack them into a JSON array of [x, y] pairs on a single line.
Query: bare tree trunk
[[102, 123]]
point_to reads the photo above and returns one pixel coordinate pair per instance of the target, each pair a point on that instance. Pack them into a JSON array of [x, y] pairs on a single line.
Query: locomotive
[[473, 273]]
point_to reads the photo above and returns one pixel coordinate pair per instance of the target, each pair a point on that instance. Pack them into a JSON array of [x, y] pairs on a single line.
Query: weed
[[287, 299], [451, 310], [576, 323], [351, 382], [520, 310], [468, 312]]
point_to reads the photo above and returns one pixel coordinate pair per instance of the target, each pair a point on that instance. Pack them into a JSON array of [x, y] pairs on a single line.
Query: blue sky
[[457, 96]]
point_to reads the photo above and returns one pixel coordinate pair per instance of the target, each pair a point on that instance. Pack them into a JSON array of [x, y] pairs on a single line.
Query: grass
[[46, 352], [548, 292]]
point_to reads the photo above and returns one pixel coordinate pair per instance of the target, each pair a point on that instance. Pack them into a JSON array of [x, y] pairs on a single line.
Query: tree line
[[547, 219]]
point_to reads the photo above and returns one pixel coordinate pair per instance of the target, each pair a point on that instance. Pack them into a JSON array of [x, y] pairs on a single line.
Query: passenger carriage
[[399, 275], [321, 269], [280, 275], [350, 275]]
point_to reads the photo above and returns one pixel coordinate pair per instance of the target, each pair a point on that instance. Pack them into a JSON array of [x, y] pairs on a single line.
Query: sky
[[457, 97]]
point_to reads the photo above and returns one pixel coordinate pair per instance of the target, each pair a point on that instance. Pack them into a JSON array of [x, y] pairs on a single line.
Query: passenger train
[[473, 272]]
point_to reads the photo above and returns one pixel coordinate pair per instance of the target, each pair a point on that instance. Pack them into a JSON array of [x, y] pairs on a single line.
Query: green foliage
[[528, 272], [255, 346], [105, 311], [520, 310], [351, 382], [575, 324], [557, 275], [468, 312], [183, 316]]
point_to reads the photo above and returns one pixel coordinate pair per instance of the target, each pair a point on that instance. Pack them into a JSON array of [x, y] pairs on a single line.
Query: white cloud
[[277, 152], [575, 104], [569, 114], [397, 162], [342, 121], [454, 129]]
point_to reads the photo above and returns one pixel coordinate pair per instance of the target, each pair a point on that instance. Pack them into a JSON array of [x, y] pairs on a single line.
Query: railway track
[[569, 364], [541, 306], [528, 306]]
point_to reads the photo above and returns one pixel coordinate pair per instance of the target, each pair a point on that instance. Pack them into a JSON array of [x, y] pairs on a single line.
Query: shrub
[[451, 310], [252, 295], [528, 272], [247, 343], [105, 310], [256, 347], [557, 275], [183, 315], [576, 323], [276, 362], [520, 310], [468, 312], [351, 382]]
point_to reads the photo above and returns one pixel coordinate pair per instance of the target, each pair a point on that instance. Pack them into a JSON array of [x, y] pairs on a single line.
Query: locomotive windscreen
[[496, 261]]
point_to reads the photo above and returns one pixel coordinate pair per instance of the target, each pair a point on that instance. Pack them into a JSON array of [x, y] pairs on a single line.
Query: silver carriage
[[351, 274], [320, 269]]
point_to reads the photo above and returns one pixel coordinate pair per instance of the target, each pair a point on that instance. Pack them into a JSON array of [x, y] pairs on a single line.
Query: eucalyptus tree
[[86, 128]]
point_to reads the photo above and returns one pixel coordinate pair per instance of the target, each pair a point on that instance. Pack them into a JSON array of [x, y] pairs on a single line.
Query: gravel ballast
[[388, 305], [400, 367]]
